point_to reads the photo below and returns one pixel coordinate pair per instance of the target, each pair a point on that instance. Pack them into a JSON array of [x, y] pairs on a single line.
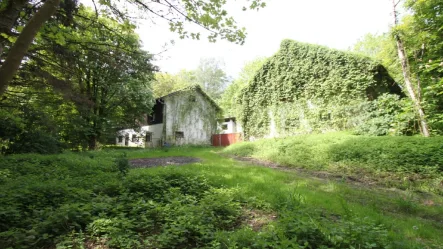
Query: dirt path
[[162, 161], [310, 173], [358, 182]]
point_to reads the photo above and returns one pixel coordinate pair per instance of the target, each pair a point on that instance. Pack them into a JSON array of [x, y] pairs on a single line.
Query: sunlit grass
[[274, 187]]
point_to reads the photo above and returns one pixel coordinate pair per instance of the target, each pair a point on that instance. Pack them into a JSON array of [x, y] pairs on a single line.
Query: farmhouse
[[188, 116], [307, 88]]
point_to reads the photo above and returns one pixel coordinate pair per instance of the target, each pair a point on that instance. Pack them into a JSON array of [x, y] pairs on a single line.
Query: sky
[[333, 23]]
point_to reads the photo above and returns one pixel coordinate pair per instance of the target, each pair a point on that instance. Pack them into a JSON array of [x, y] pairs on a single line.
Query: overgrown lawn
[[90, 200], [408, 163]]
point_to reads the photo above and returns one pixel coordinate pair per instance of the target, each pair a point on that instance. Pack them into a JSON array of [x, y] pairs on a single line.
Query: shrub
[[73, 200]]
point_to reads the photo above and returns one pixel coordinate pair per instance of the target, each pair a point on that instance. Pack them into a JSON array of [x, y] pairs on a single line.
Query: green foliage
[[303, 88], [230, 97], [420, 31], [404, 162], [122, 164], [81, 201], [383, 49], [76, 199], [165, 84], [386, 115], [298, 228], [28, 130], [96, 81], [211, 76]]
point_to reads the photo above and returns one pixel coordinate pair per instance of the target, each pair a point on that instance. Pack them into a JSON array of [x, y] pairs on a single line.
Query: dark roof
[[195, 88]]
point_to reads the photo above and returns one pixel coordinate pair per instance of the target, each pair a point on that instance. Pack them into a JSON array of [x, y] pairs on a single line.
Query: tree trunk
[[9, 14], [410, 88], [21, 46], [92, 143], [8, 17]]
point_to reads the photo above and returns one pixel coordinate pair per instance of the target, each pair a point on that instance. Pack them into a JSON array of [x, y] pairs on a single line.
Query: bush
[[393, 154], [72, 200], [35, 142]]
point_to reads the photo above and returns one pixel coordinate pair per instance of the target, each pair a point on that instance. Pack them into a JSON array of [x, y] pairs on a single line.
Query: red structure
[[225, 139]]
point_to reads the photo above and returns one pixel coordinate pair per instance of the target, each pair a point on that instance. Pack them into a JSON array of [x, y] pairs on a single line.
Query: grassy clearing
[[70, 200], [413, 163]]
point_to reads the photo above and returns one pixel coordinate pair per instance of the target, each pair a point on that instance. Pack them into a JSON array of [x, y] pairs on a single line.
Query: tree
[[229, 98], [24, 40], [413, 91], [210, 15], [423, 37], [104, 77], [165, 83], [211, 77], [384, 49]]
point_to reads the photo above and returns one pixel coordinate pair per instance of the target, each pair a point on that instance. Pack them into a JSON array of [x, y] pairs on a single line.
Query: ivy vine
[[305, 88]]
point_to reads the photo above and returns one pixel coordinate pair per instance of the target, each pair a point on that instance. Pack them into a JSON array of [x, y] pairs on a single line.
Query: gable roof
[[195, 88]]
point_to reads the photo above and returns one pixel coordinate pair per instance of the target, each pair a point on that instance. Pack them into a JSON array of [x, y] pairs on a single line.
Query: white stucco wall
[[232, 127], [191, 113], [127, 135], [156, 135]]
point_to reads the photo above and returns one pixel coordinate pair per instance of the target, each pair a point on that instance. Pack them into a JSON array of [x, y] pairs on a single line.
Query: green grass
[[40, 193], [273, 187], [413, 163]]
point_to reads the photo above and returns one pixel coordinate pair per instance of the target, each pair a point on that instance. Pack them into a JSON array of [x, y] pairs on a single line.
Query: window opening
[[179, 134], [134, 138], [148, 137]]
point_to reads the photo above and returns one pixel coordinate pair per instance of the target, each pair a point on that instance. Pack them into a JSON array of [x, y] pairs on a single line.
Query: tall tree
[[211, 76], [413, 91], [165, 83], [229, 98], [424, 40], [384, 49], [210, 15], [106, 77], [18, 50]]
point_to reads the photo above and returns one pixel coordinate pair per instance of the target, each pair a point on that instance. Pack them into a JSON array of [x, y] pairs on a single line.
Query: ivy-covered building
[[305, 88], [187, 116]]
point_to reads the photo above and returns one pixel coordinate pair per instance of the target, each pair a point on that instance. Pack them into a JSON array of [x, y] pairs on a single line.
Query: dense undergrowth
[[72, 200], [414, 163], [93, 200]]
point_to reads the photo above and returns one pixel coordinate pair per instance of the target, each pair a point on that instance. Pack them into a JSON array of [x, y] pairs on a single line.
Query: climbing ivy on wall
[[305, 88]]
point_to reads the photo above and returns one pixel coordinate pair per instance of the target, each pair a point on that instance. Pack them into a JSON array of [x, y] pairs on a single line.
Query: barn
[[184, 117]]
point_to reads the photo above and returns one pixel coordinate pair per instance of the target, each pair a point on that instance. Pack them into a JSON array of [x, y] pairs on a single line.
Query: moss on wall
[[193, 113]]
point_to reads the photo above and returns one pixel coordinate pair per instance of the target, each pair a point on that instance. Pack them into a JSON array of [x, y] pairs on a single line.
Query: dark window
[[156, 116], [179, 134], [134, 138], [224, 127], [192, 98], [148, 137], [120, 139]]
